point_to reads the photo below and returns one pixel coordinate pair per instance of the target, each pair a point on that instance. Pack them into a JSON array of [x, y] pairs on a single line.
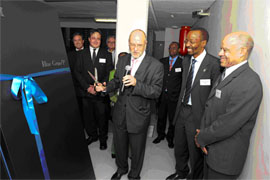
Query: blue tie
[[189, 82]]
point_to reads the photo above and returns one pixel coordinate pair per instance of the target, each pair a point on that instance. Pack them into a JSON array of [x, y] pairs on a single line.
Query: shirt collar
[[140, 58], [110, 51], [91, 48], [229, 70], [200, 57], [170, 58], [79, 49]]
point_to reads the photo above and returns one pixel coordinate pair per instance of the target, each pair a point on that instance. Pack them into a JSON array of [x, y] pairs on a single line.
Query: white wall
[[131, 15], [170, 36]]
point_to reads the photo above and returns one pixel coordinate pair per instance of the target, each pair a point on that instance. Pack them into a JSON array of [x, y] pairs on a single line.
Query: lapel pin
[[204, 70]]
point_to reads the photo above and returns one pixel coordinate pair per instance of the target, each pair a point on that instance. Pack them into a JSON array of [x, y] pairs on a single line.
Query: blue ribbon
[[29, 89]]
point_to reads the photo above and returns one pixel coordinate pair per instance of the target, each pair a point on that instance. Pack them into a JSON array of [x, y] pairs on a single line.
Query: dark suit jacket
[[229, 119], [172, 80], [85, 64], [72, 59], [209, 69], [132, 110]]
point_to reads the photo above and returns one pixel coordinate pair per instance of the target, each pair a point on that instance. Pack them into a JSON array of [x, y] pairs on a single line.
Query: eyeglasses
[[136, 45], [191, 42]]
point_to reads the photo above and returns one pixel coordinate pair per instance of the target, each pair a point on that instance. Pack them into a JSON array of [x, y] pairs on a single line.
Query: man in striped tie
[[200, 70]]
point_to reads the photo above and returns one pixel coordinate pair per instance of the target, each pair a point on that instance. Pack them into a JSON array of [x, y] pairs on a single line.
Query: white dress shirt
[[136, 64], [197, 65], [229, 70], [92, 50]]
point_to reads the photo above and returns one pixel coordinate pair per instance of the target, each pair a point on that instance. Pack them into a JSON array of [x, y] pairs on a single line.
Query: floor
[[158, 162]]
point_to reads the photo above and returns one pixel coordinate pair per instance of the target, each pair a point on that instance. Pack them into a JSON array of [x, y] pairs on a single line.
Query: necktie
[[94, 56], [171, 61], [189, 82], [222, 76], [133, 62]]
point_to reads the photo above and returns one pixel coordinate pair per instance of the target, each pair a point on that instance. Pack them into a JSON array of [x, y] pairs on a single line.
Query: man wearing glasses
[[172, 81], [131, 115]]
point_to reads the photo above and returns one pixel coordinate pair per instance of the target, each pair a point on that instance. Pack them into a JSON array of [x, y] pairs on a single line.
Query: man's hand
[[196, 141], [91, 90], [99, 87], [198, 145], [129, 80]]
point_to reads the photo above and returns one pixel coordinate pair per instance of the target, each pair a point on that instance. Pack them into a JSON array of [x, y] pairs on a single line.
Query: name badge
[[205, 82], [218, 93], [178, 69], [102, 60]]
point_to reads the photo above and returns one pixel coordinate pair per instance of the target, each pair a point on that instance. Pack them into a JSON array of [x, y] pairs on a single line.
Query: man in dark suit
[[200, 70], [131, 115], [72, 59], [170, 92], [78, 42], [231, 110], [111, 47], [98, 62]]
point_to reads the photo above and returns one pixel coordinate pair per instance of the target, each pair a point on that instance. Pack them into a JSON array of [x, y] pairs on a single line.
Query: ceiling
[[162, 13]]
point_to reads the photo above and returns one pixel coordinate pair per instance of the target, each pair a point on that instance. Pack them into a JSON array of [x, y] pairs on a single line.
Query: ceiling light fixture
[[199, 14], [106, 20]]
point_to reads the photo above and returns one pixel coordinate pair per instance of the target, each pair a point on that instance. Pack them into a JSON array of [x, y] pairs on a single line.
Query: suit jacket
[[229, 118], [172, 80], [103, 63], [72, 59], [132, 110], [72, 56], [209, 70]]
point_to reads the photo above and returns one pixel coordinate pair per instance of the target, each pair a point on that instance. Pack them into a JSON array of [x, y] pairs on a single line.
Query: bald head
[[243, 39], [137, 43], [236, 47], [137, 32]]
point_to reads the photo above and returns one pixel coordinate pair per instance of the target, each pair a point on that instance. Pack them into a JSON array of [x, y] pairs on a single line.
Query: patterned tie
[[222, 76], [171, 62], [94, 56], [133, 62], [189, 81]]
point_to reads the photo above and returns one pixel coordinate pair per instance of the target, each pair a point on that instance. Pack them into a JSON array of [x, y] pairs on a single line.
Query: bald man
[[131, 116], [231, 110]]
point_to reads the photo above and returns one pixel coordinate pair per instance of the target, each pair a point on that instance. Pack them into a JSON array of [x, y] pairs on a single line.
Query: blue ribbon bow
[[29, 89]]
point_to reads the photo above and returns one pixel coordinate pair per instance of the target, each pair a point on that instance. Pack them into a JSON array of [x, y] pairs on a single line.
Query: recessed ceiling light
[[174, 27], [111, 20], [172, 16]]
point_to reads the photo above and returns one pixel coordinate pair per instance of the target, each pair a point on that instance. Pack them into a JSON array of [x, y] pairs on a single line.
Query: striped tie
[[189, 81], [171, 61]]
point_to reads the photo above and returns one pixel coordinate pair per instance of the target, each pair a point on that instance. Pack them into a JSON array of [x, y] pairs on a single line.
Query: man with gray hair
[[231, 110], [111, 47], [131, 115]]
